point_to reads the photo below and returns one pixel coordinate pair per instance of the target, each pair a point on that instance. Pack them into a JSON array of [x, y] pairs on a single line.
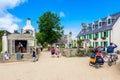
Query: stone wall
[[68, 52]]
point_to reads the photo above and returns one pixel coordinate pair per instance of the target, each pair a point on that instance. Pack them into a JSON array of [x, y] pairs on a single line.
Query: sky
[[13, 13]]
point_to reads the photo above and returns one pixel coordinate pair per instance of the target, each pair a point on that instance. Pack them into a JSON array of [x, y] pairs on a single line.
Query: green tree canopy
[[50, 27], [39, 38], [1, 34]]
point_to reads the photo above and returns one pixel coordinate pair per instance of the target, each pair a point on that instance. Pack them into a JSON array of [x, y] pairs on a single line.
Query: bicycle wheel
[[105, 58], [90, 64], [110, 62], [97, 65]]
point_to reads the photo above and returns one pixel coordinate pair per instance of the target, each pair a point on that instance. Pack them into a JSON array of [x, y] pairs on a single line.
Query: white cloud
[[62, 14], [7, 20]]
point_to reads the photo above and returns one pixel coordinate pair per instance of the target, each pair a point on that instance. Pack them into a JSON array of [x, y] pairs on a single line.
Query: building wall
[[99, 39], [115, 34], [112, 36]]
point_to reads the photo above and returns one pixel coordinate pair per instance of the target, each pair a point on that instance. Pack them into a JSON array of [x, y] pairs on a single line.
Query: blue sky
[[13, 13]]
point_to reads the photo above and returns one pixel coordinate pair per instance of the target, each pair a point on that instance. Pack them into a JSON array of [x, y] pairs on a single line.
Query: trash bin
[[18, 56]]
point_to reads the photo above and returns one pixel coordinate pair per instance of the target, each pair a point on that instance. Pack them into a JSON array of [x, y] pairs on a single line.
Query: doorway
[[23, 48]]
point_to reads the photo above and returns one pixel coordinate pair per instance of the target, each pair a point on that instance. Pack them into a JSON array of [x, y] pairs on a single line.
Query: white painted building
[[101, 32]]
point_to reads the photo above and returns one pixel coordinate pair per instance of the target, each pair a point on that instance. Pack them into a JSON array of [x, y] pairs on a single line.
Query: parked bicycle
[[112, 59]]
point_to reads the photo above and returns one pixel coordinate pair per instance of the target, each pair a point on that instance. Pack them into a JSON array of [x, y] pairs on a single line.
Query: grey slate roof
[[104, 25]]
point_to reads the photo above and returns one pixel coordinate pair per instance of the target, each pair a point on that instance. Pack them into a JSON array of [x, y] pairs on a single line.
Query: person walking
[[34, 55], [57, 51], [52, 51], [41, 48]]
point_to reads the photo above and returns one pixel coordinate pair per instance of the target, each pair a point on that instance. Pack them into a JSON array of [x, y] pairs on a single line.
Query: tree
[[49, 27], [39, 38], [1, 34]]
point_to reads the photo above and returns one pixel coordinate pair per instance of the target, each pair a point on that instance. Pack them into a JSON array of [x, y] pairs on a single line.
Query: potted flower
[[94, 38], [104, 37]]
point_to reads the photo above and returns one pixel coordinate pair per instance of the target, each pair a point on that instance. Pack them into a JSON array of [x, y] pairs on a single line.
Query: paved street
[[48, 68]]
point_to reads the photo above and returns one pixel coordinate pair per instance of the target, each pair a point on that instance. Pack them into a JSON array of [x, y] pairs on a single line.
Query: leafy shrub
[[63, 46], [83, 53], [80, 53], [74, 47]]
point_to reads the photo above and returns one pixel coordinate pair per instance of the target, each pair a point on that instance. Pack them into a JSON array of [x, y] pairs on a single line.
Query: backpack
[[93, 55]]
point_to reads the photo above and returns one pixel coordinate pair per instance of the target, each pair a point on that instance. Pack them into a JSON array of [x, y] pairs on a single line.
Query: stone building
[[65, 40], [27, 38]]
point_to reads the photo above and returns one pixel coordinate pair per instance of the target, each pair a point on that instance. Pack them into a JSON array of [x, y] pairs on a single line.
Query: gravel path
[[48, 68]]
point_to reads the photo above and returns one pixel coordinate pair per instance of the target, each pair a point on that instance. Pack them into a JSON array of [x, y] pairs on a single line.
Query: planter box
[[103, 38], [95, 38]]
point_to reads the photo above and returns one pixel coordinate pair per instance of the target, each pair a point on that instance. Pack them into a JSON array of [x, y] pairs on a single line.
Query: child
[[99, 58], [93, 57], [99, 53], [6, 56]]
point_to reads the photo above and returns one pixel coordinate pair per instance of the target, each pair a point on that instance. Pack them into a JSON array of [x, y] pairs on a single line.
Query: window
[[96, 35], [96, 44], [93, 26], [105, 33], [90, 36], [105, 43], [109, 21], [100, 24], [84, 37]]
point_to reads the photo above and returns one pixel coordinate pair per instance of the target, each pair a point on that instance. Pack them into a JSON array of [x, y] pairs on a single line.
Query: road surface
[[48, 68]]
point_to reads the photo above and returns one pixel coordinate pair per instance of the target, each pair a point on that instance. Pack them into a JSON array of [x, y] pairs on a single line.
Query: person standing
[[20, 46], [110, 49], [18, 55]]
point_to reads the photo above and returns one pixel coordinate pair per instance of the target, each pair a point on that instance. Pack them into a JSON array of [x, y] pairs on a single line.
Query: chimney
[[28, 21]]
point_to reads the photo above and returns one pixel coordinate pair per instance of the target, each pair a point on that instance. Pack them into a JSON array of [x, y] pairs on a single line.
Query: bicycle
[[105, 56], [112, 59]]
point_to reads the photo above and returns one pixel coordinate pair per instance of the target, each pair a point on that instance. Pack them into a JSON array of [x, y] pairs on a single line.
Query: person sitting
[[93, 55], [6, 56], [99, 58]]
